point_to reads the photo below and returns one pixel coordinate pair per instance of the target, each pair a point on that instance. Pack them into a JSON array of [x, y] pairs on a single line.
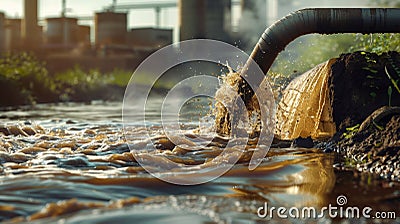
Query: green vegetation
[[394, 83], [385, 3], [79, 85], [376, 43], [25, 80], [308, 51], [351, 131]]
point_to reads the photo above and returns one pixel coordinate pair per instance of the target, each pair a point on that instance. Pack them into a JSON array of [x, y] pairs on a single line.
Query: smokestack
[[114, 4], [192, 19], [204, 19], [63, 8], [258, 7], [253, 20], [30, 28]]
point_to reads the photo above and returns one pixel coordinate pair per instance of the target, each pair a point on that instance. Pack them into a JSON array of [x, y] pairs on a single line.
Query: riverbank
[[374, 146], [365, 109], [26, 81], [348, 105]]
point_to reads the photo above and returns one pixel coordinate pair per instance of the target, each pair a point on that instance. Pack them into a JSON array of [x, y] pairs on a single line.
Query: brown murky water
[[71, 164]]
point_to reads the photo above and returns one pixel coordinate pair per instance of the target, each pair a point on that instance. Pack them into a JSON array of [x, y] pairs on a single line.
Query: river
[[77, 168]]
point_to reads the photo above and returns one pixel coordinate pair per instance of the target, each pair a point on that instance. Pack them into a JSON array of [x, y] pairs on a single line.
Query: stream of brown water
[[71, 163]]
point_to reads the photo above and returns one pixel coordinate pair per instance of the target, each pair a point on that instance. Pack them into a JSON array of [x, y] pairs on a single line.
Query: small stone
[[303, 142], [4, 130], [29, 130], [16, 130]]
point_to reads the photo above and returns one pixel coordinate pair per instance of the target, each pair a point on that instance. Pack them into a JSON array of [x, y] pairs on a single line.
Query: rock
[[378, 116], [303, 142], [28, 130], [4, 130]]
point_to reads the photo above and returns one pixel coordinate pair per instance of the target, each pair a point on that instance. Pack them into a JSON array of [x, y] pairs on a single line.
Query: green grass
[[119, 77], [26, 80]]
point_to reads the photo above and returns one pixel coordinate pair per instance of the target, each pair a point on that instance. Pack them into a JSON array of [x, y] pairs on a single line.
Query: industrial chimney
[[204, 19], [30, 29]]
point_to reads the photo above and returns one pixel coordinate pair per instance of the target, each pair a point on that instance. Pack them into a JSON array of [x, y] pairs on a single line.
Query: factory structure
[[63, 42], [197, 18]]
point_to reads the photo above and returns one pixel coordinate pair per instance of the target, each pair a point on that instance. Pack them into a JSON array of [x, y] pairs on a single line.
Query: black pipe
[[322, 21]]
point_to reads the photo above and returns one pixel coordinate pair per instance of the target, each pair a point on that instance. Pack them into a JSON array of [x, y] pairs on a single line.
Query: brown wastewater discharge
[[80, 172], [348, 101], [227, 93], [305, 109], [61, 164], [102, 148], [88, 174], [233, 86], [336, 95]]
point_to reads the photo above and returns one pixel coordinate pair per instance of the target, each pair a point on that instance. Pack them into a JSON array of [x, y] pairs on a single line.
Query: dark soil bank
[[375, 147], [362, 83]]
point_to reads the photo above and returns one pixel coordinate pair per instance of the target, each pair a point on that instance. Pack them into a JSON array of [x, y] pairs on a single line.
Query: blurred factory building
[[31, 32], [65, 33], [149, 37], [110, 28], [13, 37], [2, 32], [110, 43]]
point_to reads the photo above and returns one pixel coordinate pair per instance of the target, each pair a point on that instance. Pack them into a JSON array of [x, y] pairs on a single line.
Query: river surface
[[72, 165]]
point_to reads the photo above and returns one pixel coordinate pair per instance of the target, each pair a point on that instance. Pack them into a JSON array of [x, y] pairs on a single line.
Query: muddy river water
[[70, 163]]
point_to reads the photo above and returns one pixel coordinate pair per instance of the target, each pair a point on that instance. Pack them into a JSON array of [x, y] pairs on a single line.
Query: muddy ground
[[366, 100], [361, 83], [375, 149]]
